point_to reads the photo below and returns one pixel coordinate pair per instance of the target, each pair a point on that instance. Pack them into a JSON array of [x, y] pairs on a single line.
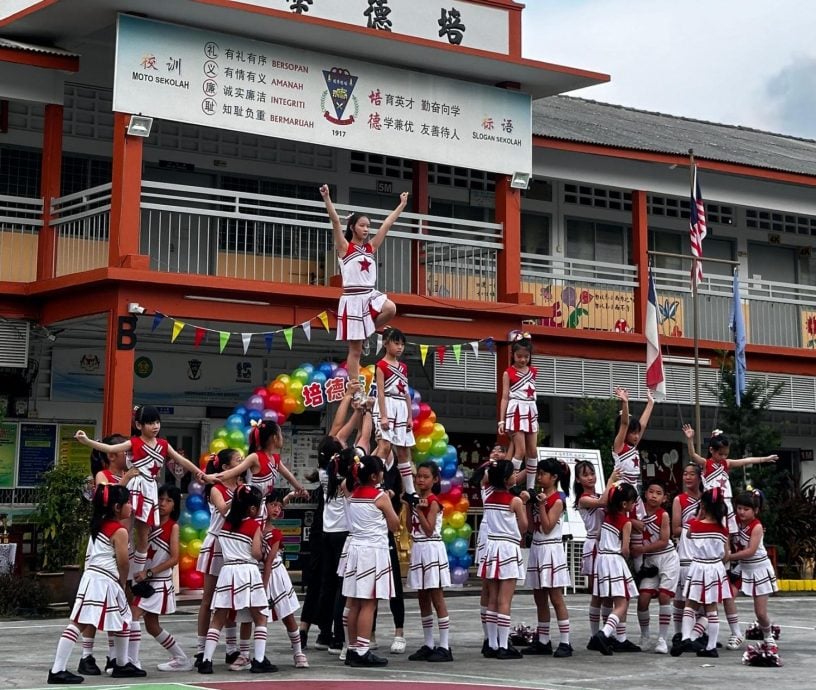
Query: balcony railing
[[20, 223], [81, 222]]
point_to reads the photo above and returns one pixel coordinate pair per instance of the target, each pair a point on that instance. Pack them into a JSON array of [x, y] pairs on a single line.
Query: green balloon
[[236, 438], [221, 432], [464, 531], [301, 375], [187, 534], [448, 534]]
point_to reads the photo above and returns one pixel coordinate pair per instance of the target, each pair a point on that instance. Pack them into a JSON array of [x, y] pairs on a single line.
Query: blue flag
[[738, 331]]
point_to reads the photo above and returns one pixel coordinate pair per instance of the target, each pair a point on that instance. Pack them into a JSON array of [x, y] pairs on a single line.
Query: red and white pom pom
[[754, 632], [764, 654], [522, 635]]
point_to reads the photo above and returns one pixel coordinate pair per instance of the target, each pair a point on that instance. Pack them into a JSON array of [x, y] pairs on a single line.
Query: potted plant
[[62, 517]]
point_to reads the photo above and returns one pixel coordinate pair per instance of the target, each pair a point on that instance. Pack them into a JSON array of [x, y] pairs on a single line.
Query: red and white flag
[[655, 379], [697, 228]]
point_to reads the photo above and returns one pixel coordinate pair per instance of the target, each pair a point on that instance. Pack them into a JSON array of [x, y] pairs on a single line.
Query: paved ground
[[27, 648]]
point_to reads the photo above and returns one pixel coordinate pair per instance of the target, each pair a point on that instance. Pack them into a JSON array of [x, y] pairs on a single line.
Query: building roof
[[580, 120], [31, 48]]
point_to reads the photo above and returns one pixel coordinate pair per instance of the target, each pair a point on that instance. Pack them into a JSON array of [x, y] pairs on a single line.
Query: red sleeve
[[535, 372]]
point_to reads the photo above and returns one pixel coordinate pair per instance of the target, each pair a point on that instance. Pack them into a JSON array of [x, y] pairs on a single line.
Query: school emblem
[[89, 362], [193, 369], [340, 85], [143, 367]]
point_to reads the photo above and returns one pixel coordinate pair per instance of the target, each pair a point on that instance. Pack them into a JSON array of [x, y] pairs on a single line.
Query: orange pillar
[[640, 247], [508, 269], [50, 177], [120, 354], [126, 190], [419, 196]]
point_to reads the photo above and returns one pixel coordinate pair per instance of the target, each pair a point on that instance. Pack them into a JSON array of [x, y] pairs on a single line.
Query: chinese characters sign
[[217, 80]]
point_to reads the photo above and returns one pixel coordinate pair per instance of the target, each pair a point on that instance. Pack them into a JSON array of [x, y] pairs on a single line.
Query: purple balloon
[[414, 410], [270, 415], [340, 373], [196, 488], [444, 486], [456, 480], [416, 397], [459, 575], [255, 402]]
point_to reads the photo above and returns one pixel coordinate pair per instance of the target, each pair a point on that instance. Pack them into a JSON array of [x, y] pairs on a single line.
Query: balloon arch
[[312, 387]]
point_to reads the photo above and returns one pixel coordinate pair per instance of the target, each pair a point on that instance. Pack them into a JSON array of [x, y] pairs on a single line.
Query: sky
[[739, 62]]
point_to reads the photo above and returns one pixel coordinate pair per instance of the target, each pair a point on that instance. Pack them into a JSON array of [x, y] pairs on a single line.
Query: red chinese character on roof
[[313, 394], [335, 389]]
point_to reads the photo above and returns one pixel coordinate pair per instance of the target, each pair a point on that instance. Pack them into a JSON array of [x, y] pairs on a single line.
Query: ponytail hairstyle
[[244, 498], [99, 459], [326, 450], [520, 341], [478, 474], [580, 468], [558, 469], [751, 498], [174, 494], [260, 434], [216, 463], [499, 472], [718, 440], [362, 470], [274, 496], [434, 468], [351, 221], [105, 501], [618, 495], [713, 503], [339, 469], [146, 414]]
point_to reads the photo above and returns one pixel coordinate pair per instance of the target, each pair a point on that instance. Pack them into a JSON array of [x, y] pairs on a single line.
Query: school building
[[164, 157]]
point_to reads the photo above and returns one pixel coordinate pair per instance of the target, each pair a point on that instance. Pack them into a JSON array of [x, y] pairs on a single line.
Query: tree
[[598, 418]]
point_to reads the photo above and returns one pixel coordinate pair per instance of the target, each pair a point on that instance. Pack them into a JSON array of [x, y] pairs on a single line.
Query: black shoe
[[713, 653], [489, 652], [538, 647], [198, 658], [410, 499], [231, 657], [677, 638], [508, 652], [678, 648], [440, 654], [699, 644], [485, 647], [335, 648], [304, 638], [88, 667], [421, 654], [368, 660], [205, 666], [64, 678], [564, 650], [603, 642], [625, 646], [592, 645], [264, 666], [128, 670], [350, 653], [109, 664], [322, 642]]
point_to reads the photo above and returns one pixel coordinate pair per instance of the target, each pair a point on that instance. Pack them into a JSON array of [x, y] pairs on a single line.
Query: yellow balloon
[[438, 431], [295, 388], [457, 519], [217, 445], [301, 407], [193, 548], [423, 443]]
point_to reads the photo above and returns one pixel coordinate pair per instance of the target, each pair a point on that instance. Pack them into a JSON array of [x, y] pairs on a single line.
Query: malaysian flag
[[655, 378], [697, 228]]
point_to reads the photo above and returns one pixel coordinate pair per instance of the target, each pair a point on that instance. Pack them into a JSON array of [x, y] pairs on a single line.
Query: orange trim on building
[[126, 192], [640, 246], [50, 180], [63, 63], [28, 10], [508, 213]]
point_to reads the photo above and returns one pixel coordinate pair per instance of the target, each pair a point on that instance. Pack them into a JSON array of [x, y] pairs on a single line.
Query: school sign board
[[218, 80]]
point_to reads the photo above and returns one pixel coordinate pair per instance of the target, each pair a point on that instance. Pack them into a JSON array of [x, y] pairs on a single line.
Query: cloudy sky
[[746, 62]]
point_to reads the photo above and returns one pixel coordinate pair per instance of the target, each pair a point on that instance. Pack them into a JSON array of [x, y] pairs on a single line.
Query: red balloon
[[282, 418], [194, 580], [415, 426], [455, 494], [274, 402], [262, 391], [424, 411]]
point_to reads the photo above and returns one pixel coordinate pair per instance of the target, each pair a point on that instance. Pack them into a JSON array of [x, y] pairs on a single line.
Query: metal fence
[[81, 222], [20, 223]]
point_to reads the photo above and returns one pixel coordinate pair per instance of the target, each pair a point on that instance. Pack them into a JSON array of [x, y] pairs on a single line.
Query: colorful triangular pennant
[[475, 346], [440, 352], [379, 343], [287, 333], [324, 319], [178, 327], [223, 339], [157, 319], [307, 330], [457, 352], [246, 338], [423, 353], [200, 333], [268, 338]]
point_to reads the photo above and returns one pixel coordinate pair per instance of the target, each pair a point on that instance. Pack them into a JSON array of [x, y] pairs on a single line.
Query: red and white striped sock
[[444, 629], [243, 647], [564, 631], [689, 618], [594, 619], [491, 621], [531, 465], [121, 642], [87, 646], [259, 638], [201, 640], [427, 630], [700, 625], [503, 629], [231, 634], [713, 629], [611, 625], [733, 623], [407, 476], [135, 643], [543, 631], [483, 617], [166, 640], [677, 616], [620, 631], [663, 621], [346, 612], [64, 647], [211, 643], [363, 645], [294, 640], [643, 621]]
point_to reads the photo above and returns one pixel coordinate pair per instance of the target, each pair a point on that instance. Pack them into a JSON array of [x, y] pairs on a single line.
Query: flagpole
[[695, 318]]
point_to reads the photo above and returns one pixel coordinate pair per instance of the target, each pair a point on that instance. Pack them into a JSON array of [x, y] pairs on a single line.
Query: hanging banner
[[218, 80], [37, 452], [8, 451]]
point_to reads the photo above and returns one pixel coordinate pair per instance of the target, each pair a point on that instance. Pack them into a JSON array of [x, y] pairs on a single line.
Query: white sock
[[363, 645], [231, 633], [201, 641], [733, 623], [689, 618], [350, 643], [713, 629], [444, 629], [532, 468], [699, 628], [492, 629], [111, 653], [677, 616], [64, 647], [87, 646], [605, 612], [594, 619], [663, 621], [166, 640], [427, 630], [121, 642], [260, 641], [135, 643], [294, 640], [243, 647], [212, 642], [643, 619], [407, 476], [563, 631], [611, 625], [516, 464], [483, 617], [503, 628], [543, 631], [620, 631]]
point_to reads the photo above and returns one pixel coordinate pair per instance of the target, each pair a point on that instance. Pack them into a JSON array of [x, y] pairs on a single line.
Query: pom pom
[[764, 654], [522, 635]]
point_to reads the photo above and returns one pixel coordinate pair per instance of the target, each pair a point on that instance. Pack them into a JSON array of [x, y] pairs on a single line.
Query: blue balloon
[[317, 376], [451, 454], [185, 518], [466, 561], [196, 502], [458, 547], [255, 415], [201, 519], [240, 410], [453, 561], [235, 421], [326, 369], [307, 367], [448, 470]]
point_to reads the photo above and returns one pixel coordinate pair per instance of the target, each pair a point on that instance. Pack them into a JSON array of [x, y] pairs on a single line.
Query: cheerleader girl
[[501, 566], [706, 583], [210, 559], [163, 554], [715, 475], [518, 413], [101, 600], [758, 577], [362, 308], [149, 453], [367, 574], [612, 577], [429, 572], [591, 507], [684, 510], [392, 409], [239, 587], [662, 567], [547, 571]]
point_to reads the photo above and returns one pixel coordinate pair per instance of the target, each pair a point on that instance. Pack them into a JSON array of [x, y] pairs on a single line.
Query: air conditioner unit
[[14, 338]]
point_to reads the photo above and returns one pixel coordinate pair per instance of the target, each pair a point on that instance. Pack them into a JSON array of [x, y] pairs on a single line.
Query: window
[[83, 173], [19, 172], [593, 241], [535, 233], [597, 197], [678, 243]]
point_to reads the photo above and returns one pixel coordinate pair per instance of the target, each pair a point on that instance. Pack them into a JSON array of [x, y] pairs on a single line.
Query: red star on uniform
[[150, 553], [647, 536], [154, 471], [530, 391], [401, 387], [365, 264]]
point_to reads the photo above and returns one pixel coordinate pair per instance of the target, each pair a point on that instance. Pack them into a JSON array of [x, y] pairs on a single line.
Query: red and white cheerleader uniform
[[395, 388], [758, 576], [628, 463], [612, 576], [144, 491], [706, 581], [210, 558], [100, 600], [281, 594], [481, 535], [547, 564], [367, 573], [163, 600], [429, 567], [592, 517], [666, 560], [715, 476], [360, 303], [689, 506], [265, 479], [240, 586], [502, 554], [522, 411]]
